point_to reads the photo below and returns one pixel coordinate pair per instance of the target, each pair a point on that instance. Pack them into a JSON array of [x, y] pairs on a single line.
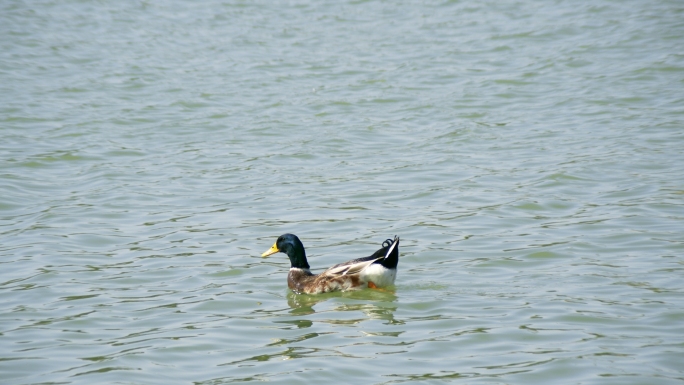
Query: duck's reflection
[[306, 332], [377, 304]]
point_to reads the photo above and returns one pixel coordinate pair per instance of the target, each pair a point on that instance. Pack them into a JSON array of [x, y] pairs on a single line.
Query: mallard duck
[[376, 271]]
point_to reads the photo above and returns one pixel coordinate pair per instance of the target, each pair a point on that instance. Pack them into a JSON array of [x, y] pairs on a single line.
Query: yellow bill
[[272, 250]]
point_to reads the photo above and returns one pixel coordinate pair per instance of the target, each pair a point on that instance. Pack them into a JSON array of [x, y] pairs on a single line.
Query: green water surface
[[529, 154]]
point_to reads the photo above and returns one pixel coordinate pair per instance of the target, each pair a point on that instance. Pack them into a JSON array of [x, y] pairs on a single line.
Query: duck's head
[[293, 247]]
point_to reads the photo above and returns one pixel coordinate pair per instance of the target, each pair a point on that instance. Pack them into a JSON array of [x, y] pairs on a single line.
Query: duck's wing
[[386, 253], [351, 267]]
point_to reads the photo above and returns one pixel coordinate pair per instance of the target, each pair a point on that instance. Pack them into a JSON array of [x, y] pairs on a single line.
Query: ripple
[[527, 155]]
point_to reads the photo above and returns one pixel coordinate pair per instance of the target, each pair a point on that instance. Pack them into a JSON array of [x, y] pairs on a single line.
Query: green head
[[293, 247]]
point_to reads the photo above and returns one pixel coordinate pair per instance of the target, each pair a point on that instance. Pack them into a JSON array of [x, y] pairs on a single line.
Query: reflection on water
[[377, 304], [306, 301], [343, 318], [303, 304], [299, 323]]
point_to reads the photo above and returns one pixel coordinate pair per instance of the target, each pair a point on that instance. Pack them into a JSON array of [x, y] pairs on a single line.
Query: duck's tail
[[391, 248]]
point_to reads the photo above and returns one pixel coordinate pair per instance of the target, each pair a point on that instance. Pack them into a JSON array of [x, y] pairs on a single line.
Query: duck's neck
[[297, 257]]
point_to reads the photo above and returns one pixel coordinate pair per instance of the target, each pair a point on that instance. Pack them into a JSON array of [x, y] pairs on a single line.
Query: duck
[[376, 271]]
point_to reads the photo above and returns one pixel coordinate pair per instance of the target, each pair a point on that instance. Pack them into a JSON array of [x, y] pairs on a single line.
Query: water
[[528, 153]]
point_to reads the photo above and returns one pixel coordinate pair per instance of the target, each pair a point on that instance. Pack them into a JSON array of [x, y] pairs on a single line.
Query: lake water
[[529, 154]]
